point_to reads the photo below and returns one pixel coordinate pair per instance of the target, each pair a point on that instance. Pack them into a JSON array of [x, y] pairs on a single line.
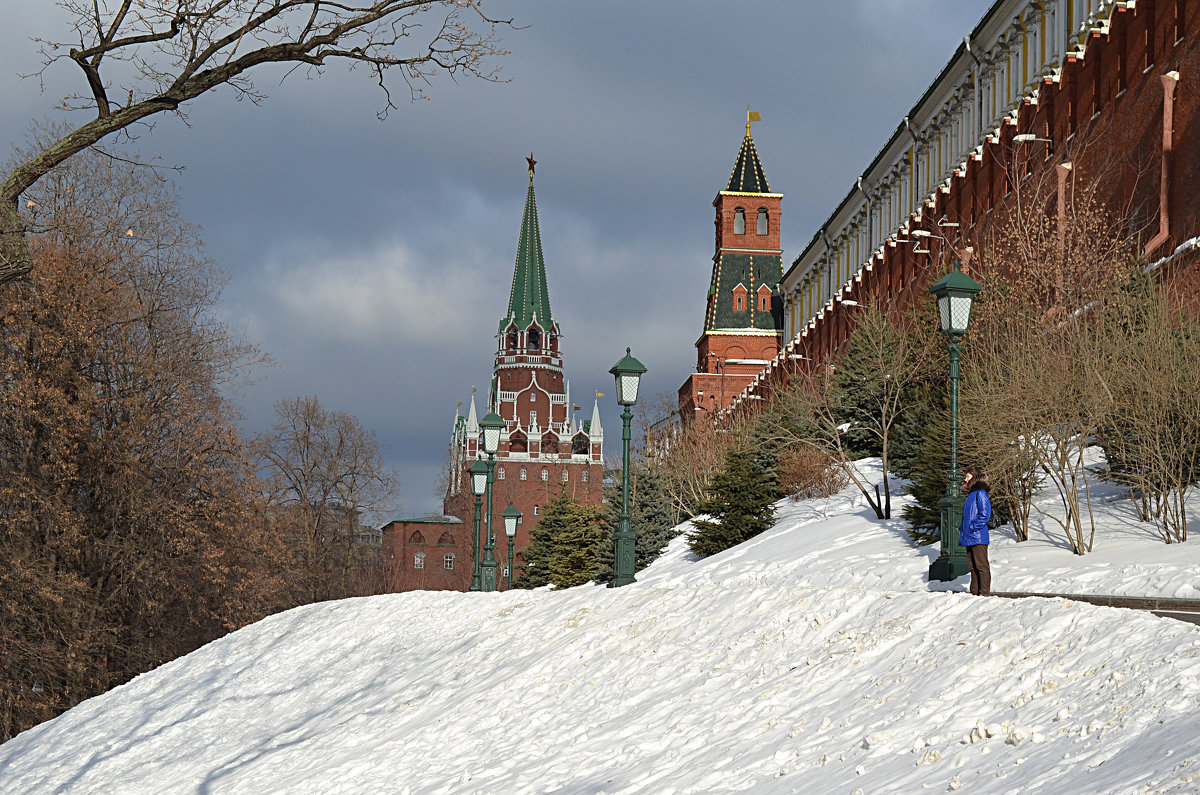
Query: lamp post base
[[488, 575], [946, 568], [625, 549], [952, 562]]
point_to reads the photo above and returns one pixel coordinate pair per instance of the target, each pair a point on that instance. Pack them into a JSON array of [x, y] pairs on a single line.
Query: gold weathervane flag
[[751, 115]]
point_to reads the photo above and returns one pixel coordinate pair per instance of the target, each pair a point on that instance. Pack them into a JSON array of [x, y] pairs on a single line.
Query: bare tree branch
[[172, 52]]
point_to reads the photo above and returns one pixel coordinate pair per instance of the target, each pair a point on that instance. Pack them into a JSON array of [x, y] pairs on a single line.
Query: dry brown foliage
[[687, 461], [686, 452], [128, 535], [130, 528], [805, 473]]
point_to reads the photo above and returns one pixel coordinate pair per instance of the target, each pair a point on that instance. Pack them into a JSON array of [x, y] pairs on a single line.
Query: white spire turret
[[472, 419], [596, 433]]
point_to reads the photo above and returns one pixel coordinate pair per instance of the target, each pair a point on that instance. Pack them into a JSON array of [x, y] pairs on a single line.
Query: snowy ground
[[814, 659]]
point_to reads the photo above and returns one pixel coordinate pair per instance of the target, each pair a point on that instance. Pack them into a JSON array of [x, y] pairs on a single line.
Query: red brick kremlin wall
[[1106, 115]]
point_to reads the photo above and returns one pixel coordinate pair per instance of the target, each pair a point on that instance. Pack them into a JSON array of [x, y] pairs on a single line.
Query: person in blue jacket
[[973, 532]]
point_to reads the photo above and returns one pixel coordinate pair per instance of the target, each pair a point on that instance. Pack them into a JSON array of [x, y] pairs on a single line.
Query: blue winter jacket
[[977, 510]]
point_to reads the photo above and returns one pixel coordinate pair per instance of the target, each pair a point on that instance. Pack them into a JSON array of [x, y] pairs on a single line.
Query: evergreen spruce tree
[[653, 518], [742, 504], [922, 458], [651, 514], [569, 545], [858, 392]]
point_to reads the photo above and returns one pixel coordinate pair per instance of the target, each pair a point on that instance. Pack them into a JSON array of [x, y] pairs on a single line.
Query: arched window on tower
[[580, 445], [535, 339], [762, 220], [740, 303], [764, 298], [739, 221], [512, 340]]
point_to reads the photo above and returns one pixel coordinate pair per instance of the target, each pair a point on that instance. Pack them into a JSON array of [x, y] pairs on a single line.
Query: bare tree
[[805, 414], [127, 218], [325, 475], [1038, 377], [686, 457], [165, 53], [1152, 440], [846, 408]]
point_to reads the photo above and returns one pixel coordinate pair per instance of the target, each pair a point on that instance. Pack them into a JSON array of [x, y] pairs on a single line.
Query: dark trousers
[[981, 572]]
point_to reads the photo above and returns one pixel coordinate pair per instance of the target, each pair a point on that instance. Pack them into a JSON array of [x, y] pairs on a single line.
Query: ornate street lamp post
[[492, 425], [955, 293], [628, 373], [479, 473], [512, 518]]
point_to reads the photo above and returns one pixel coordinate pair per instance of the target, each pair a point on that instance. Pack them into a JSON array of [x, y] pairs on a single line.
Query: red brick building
[[743, 319], [544, 447], [427, 554]]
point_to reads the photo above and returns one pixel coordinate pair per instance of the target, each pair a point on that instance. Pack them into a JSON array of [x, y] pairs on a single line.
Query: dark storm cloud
[[372, 259]]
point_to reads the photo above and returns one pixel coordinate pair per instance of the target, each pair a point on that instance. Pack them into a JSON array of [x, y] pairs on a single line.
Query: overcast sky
[[372, 259]]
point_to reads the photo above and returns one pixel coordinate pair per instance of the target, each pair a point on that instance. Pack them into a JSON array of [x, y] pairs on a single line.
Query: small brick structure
[[434, 553]]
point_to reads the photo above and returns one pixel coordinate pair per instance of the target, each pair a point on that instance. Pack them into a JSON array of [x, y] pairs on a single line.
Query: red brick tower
[[544, 448], [743, 319]]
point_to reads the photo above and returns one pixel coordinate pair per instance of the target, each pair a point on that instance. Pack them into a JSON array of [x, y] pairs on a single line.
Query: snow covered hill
[[814, 659]]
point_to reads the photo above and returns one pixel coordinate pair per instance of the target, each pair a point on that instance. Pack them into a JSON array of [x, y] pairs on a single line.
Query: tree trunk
[[15, 259]]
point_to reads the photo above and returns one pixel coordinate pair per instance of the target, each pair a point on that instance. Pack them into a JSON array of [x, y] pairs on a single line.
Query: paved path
[[1180, 609]]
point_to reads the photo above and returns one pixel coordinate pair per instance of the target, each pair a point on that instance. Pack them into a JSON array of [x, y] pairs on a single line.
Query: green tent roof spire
[[748, 175], [529, 299]]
